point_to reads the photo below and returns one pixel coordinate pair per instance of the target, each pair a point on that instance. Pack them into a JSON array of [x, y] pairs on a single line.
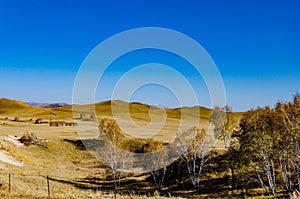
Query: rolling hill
[[47, 105], [14, 108], [137, 111], [66, 152]]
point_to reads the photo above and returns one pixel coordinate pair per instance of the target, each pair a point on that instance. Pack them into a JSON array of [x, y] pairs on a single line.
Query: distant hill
[[47, 105], [138, 111], [14, 108], [7, 103]]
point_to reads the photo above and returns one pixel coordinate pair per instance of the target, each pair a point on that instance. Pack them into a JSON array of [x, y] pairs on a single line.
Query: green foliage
[[267, 144]]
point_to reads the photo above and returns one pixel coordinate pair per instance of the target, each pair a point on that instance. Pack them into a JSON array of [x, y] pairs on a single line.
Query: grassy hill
[[139, 120], [142, 114], [14, 108], [18, 108], [6, 104], [72, 169]]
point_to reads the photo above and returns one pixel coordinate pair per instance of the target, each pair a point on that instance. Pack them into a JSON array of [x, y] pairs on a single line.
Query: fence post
[[9, 182], [48, 185]]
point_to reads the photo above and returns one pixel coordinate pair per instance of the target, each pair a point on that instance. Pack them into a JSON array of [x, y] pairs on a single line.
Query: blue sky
[[255, 45]]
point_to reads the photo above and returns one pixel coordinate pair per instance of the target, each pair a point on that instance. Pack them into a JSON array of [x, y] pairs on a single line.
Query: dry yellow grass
[[160, 128], [65, 160]]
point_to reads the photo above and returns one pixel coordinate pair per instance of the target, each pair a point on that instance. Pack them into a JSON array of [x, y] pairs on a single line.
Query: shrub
[[29, 139], [16, 119]]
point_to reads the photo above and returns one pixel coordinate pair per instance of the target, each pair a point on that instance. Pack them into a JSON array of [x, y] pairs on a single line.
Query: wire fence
[[38, 185], [29, 185]]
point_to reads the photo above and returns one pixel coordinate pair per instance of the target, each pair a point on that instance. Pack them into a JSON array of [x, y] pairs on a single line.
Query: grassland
[[72, 170]]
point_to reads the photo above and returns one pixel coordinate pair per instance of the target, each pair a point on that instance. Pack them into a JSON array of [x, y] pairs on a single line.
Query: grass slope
[[137, 111], [73, 170]]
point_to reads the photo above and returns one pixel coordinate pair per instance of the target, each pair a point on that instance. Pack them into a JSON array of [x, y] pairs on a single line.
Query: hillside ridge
[[17, 108]]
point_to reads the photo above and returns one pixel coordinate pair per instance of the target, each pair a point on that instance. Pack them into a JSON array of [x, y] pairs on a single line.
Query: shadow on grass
[[176, 183], [127, 185], [90, 144], [211, 188]]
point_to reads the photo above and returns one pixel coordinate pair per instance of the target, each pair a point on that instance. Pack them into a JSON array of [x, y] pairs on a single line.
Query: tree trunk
[[115, 185], [284, 176], [270, 177], [262, 184], [274, 175], [268, 172], [298, 177], [232, 178]]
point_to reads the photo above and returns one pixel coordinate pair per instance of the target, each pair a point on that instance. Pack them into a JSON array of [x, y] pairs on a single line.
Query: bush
[[16, 119], [140, 145], [29, 139]]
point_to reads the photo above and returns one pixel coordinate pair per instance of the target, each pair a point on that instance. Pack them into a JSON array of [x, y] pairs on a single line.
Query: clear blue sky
[[255, 44]]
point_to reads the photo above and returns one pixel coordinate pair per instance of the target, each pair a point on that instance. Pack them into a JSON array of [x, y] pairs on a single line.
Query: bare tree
[[194, 152], [158, 161], [223, 120], [114, 157]]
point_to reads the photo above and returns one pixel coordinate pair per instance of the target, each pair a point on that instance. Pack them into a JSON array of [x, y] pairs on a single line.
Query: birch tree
[[288, 122], [269, 140], [256, 145], [111, 154], [223, 120], [158, 162], [191, 145]]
